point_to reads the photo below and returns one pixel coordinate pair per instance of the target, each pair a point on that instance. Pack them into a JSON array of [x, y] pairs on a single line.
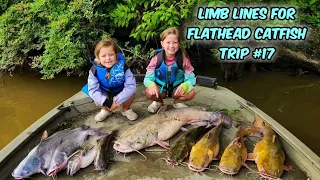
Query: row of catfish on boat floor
[[77, 148]]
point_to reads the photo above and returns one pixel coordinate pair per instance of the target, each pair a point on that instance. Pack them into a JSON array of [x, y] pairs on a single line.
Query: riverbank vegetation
[[54, 36]]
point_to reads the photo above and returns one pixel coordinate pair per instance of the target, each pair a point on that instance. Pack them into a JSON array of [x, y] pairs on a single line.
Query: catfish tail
[[241, 132], [256, 129], [258, 122], [95, 132]]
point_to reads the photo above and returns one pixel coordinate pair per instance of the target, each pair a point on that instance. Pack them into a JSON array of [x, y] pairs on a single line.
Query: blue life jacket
[[168, 80], [115, 81]]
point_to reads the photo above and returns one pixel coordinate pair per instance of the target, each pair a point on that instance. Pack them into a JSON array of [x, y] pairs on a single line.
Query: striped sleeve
[[189, 77], [149, 79]]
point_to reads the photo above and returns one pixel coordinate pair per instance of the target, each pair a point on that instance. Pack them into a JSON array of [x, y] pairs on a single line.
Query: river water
[[294, 101], [24, 99]]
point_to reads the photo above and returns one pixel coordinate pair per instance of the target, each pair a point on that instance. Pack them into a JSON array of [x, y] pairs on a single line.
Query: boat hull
[[81, 109]]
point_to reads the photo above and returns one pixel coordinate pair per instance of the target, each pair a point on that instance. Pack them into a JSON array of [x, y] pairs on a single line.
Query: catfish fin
[[239, 144], [258, 122], [44, 135], [163, 144], [251, 157], [216, 158], [43, 171], [288, 168], [273, 138]]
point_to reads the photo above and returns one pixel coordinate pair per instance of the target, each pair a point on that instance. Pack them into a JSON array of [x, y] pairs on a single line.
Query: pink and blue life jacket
[[169, 78]]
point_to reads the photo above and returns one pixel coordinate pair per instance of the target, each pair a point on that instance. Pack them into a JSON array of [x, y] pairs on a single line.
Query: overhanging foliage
[[51, 36]]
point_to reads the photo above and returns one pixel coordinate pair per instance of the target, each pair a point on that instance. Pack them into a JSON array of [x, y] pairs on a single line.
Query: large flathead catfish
[[235, 154], [268, 153], [205, 150], [156, 129]]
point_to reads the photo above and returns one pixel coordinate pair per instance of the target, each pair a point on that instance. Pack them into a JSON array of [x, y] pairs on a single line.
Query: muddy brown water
[[25, 98], [294, 101]]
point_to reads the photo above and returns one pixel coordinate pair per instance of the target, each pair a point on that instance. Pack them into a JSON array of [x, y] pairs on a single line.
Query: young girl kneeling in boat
[[169, 73], [110, 82]]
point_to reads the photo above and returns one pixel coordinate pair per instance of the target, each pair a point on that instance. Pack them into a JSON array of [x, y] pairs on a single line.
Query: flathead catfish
[[181, 148], [268, 153], [156, 129], [235, 154], [68, 145], [205, 150], [39, 158]]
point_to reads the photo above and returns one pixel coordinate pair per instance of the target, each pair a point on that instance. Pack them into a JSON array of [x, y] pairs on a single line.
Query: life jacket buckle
[[169, 90]]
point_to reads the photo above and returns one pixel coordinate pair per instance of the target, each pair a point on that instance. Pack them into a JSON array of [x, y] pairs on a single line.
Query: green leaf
[[211, 3], [312, 1], [146, 5]]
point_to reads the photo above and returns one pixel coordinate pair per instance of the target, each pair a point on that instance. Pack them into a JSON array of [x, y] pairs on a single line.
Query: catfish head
[[172, 162], [129, 145], [177, 154], [29, 166], [175, 158], [200, 160], [231, 160], [225, 118], [140, 140], [230, 170], [74, 164], [57, 164]]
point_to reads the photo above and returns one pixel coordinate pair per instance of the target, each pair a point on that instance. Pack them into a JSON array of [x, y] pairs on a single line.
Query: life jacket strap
[[161, 58], [160, 83]]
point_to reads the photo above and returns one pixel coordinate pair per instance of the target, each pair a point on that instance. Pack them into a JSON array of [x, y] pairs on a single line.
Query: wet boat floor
[[134, 166]]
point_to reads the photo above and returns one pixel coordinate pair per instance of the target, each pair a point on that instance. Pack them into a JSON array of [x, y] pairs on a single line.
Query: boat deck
[[133, 165]]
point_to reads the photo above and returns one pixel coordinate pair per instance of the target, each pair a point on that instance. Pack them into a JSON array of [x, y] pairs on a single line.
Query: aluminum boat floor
[[133, 166]]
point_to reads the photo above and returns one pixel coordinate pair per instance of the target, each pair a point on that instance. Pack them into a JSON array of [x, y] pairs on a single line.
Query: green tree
[[51, 36]]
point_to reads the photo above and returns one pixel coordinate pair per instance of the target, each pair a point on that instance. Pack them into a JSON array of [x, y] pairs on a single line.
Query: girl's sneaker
[[154, 106], [130, 114], [102, 115], [179, 105]]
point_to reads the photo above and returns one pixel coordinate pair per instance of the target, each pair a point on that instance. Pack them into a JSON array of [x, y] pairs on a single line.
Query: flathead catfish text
[[218, 33]]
